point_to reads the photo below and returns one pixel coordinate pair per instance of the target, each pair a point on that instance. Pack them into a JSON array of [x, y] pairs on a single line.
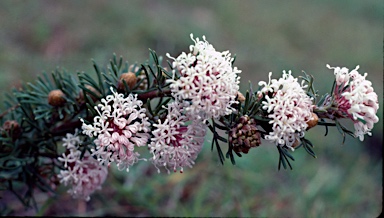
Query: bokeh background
[[266, 36]]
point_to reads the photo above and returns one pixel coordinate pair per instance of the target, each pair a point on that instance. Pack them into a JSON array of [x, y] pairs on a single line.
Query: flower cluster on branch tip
[[83, 174], [76, 128]]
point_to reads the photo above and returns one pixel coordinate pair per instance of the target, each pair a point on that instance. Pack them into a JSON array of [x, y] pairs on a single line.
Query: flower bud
[[12, 128], [56, 98], [129, 78], [244, 135], [313, 122]]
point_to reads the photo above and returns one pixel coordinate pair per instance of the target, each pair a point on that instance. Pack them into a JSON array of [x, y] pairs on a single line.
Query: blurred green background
[[344, 181]]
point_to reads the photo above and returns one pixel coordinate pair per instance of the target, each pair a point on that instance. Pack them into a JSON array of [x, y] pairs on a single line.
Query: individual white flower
[[268, 87], [71, 140], [356, 99], [289, 108], [85, 175], [176, 144], [341, 74], [69, 158], [206, 79], [120, 127]]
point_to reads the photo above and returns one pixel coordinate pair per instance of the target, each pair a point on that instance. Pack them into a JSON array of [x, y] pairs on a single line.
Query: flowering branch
[[67, 130]]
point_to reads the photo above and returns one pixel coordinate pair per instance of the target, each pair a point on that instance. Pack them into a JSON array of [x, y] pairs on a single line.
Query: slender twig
[[153, 94], [65, 126], [9, 110]]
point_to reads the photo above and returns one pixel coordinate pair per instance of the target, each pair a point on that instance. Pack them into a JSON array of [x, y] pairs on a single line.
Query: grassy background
[[344, 181]]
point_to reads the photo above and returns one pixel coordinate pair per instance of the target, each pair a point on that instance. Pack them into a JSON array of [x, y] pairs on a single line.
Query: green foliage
[[30, 157]]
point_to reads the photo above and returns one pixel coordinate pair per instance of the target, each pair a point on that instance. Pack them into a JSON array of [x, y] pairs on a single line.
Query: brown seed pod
[[129, 78], [56, 98]]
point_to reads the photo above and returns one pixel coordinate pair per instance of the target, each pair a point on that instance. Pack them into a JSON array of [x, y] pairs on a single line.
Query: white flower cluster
[[206, 80], [120, 127], [176, 144], [289, 107], [356, 97], [83, 175]]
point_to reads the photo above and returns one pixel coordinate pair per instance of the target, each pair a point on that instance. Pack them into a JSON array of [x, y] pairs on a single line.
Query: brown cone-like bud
[[12, 128], [313, 122], [129, 78], [56, 98], [244, 135]]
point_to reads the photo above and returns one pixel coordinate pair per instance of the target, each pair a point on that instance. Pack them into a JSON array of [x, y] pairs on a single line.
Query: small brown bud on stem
[[12, 128], [129, 78], [56, 98]]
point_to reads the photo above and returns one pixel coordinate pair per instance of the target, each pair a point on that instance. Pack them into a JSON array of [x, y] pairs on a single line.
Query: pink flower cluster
[[120, 127], [176, 144], [356, 99], [206, 79], [83, 175], [289, 108]]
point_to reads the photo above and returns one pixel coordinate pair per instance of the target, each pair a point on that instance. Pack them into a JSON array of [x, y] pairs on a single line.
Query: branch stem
[[153, 94], [9, 110]]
